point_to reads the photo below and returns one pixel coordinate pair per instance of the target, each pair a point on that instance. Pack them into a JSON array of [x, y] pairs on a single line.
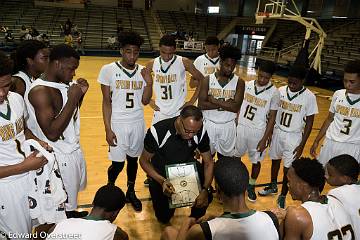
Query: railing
[[290, 50], [268, 53]]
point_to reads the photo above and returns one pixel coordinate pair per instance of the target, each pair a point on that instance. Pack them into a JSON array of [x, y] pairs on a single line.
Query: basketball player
[[31, 59], [126, 87], [170, 85], [208, 62], [342, 172], [237, 221], [297, 104], [221, 95], [14, 167], [313, 219], [342, 126], [53, 103], [256, 120], [108, 202]]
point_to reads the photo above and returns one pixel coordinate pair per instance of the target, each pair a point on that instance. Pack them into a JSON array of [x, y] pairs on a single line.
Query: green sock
[[252, 181]]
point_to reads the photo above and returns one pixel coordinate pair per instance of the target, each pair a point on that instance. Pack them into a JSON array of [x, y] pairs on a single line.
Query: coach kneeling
[[173, 141]]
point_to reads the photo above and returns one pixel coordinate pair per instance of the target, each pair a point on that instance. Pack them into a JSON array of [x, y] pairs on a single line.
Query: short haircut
[[353, 67], [110, 198], [167, 40], [267, 66], [230, 52], [297, 71], [231, 176], [26, 49], [191, 111], [130, 38], [346, 165], [311, 171], [212, 40], [63, 51], [6, 65]]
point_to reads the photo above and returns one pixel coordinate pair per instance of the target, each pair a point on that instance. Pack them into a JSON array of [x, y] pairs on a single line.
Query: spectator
[[23, 32], [68, 39], [79, 43], [67, 27], [111, 42]]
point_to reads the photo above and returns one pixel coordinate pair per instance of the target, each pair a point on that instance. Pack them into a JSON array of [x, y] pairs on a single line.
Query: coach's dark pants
[[161, 202]]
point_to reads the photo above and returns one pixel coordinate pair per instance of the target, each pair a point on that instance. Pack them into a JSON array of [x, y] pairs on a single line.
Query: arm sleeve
[[104, 76], [150, 143], [312, 107], [204, 144], [197, 64], [274, 102], [332, 104]]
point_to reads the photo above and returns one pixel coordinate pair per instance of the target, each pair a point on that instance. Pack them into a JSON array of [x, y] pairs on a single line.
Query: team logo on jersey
[[39, 171], [32, 202]]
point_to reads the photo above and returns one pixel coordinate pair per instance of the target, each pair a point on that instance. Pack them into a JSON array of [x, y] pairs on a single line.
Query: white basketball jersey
[[328, 224], [225, 93], [169, 84], [12, 132], [84, 229], [235, 226], [26, 78], [207, 65], [127, 87], [349, 198], [69, 140], [257, 104], [294, 108], [346, 124]]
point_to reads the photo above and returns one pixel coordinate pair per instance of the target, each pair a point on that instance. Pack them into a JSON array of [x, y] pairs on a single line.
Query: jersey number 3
[[346, 129]]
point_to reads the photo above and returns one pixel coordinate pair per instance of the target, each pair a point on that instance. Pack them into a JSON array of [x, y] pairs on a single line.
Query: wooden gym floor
[[143, 225]]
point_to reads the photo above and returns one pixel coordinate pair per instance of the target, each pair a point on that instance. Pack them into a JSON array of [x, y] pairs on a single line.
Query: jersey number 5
[[166, 92], [346, 129], [250, 112], [129, 100]]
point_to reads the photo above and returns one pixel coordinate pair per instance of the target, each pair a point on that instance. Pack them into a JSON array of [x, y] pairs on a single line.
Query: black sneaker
[[269, 190], [76, 214], [251, 193], [135, 202]]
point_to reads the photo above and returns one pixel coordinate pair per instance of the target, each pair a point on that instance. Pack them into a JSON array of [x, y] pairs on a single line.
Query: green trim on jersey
[[258, 92], [296, 95], [351, 102], [167, 69], [210, 60], [6, 116], [238, 215], [130, 75], [94, 218]]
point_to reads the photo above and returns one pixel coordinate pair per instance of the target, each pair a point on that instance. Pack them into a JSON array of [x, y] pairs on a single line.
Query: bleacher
[[341, 45]]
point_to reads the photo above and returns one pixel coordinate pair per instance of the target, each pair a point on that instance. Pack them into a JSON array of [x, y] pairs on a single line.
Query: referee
[[173, 141]]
